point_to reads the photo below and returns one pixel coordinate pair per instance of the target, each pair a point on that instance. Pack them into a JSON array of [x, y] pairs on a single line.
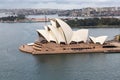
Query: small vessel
[[59, 38]]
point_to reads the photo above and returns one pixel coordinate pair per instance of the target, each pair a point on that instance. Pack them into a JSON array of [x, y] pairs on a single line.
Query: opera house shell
[[60, 32], [58, 37]]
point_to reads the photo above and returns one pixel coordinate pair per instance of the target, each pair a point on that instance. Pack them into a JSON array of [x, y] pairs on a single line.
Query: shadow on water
[[65, 58], [50, 58]]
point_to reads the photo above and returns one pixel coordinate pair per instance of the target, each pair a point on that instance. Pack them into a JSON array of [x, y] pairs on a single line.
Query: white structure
[[100, 39], [66, 30], [80, 35], [59, 37], [60, 32]]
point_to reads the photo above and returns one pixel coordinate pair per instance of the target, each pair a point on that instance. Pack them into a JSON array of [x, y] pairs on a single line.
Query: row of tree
[[93, 22], [12, 18]]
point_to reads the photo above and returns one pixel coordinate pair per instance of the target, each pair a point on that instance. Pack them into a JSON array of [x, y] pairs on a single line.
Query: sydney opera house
[[61, 33], [58, 37]]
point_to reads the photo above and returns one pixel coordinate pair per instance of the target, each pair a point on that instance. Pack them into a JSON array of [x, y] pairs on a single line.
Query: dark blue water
[[15, 65]]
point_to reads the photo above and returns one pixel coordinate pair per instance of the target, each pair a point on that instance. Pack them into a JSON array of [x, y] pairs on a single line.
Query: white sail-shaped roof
[[48, 35], [74, 37], [60, 32], [52, 36], [66, 30], [44, 34], [100, 39], [57, 34], [80, 35], [61, 37], [93, 39]]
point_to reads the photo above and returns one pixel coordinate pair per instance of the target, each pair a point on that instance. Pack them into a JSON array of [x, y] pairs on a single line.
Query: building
[[99, 40], [60, 32], [59, 38]]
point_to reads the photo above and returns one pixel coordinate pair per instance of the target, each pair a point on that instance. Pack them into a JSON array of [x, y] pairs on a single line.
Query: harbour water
[[15, 65]]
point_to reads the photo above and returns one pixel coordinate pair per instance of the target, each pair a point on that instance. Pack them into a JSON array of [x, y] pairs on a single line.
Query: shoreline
[[40, 20], [98, 26]]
